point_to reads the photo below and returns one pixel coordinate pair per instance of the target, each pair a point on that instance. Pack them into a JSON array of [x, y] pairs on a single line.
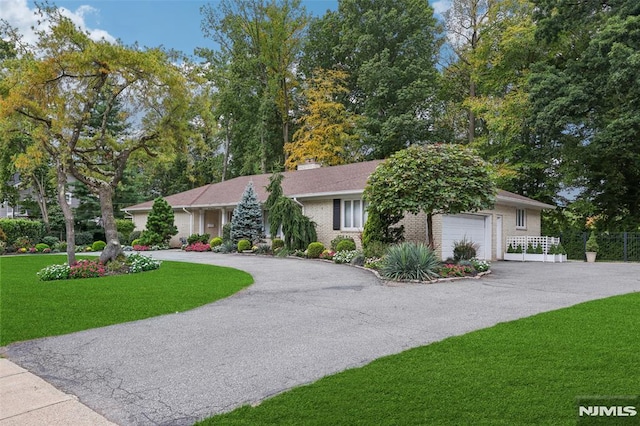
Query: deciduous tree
[[69, 91], [260, 44], [585, 99], [328, 131], [434, 179], [389, 48]]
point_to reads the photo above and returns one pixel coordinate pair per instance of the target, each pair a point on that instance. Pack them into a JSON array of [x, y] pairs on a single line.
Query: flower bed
[[86, 268]]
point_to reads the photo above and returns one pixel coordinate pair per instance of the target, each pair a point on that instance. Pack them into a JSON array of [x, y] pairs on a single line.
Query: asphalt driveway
[[300, 321]]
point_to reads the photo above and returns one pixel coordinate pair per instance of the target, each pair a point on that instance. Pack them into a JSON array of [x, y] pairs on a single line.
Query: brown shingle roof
[[319, 182], [323, 181]]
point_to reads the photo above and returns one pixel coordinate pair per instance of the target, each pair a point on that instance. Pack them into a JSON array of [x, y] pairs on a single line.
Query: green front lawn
[[528, 371], [30, 308]]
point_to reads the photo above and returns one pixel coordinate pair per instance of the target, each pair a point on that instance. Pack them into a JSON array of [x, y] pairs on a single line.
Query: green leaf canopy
[[434, 179]]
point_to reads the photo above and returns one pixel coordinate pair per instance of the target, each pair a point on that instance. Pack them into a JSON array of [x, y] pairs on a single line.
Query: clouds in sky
[[18, 14], [440, 6]]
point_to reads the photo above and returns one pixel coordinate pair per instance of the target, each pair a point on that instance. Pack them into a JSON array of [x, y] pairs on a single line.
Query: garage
[[475, 228]]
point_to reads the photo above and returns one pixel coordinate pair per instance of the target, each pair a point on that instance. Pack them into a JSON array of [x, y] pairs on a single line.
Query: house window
[[354, 214], [521, 219]]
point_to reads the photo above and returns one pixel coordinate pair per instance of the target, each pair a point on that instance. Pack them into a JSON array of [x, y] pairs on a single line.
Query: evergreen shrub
[[314, 250], [50, 240], [198, 238], [277, 243], [346, 245], [41, 246], [337, 240], [244, 245], [98, 245]]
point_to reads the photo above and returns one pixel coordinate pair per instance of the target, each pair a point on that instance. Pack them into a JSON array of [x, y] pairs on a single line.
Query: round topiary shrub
[[315, 250], [49, 240], [277, 243], [244, 245], [40, 247], [135, 242], [346, 245], [98, 245], [215, 242]]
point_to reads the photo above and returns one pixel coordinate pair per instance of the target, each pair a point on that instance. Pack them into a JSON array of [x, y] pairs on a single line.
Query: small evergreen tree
[[160, 223], [247, 217], [299, 231]]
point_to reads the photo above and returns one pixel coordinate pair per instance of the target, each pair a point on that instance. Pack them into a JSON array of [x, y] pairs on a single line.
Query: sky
[[172, 24]]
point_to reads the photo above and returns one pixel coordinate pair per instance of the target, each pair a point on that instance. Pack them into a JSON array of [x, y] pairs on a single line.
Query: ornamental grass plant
[[410, 261]]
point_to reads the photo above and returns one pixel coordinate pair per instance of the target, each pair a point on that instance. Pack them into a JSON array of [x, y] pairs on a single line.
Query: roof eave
[[520, 202]]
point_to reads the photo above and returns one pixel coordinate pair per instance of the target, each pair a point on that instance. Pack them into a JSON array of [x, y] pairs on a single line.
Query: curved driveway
[[300, 321]]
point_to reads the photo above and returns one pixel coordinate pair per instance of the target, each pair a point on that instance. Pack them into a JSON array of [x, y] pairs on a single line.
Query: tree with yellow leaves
[[328, 132], [73, 90]]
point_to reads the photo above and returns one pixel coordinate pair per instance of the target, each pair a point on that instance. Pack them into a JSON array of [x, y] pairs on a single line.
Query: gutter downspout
[[299, 203]]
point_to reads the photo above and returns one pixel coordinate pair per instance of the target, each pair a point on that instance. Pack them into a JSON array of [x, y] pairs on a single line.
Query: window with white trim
[[521, 219], [354, 214]]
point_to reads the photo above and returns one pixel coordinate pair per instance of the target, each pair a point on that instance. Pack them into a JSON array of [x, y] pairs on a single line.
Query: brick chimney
[[310, 163]]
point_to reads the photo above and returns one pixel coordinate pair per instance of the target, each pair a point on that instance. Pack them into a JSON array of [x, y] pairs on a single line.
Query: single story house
[[332, 198]]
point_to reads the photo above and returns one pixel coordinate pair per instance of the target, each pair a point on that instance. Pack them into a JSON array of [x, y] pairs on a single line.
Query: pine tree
[[160, 223], [247, 217]]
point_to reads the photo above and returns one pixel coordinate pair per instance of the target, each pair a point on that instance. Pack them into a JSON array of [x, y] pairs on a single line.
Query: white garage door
[[461, 226]]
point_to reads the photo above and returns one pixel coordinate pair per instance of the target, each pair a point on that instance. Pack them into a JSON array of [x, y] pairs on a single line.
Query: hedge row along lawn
[[528, 371], [30, 308]]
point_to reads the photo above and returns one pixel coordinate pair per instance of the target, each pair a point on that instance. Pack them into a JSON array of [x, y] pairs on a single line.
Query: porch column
[[201, 220]]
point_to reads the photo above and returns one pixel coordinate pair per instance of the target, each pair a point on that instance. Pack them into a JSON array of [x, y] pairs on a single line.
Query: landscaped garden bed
[[410, 262]]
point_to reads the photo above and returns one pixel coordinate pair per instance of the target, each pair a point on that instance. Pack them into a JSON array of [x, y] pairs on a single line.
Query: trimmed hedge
[[33, 230]]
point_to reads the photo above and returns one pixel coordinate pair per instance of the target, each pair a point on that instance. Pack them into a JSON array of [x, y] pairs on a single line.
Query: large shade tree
[[68, 92], [389, 49], [585, 99], [259, 43], [433, 179]]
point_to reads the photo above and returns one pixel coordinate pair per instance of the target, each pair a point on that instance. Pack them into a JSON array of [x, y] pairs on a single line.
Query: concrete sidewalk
[[26, 399]]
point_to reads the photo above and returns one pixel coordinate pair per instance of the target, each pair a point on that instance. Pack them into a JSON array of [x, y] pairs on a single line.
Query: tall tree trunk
[[285, 114], [472, 116], [430, 231], [472, 83], [263, 149], [41, 199], [66, 211], [113, 248], [227, 144]]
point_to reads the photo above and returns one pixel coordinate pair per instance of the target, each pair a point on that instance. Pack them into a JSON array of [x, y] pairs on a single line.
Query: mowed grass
[[30, 308], [528, 371]]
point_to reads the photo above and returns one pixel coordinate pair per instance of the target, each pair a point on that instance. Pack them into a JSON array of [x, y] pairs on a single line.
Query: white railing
[[522, 243]]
